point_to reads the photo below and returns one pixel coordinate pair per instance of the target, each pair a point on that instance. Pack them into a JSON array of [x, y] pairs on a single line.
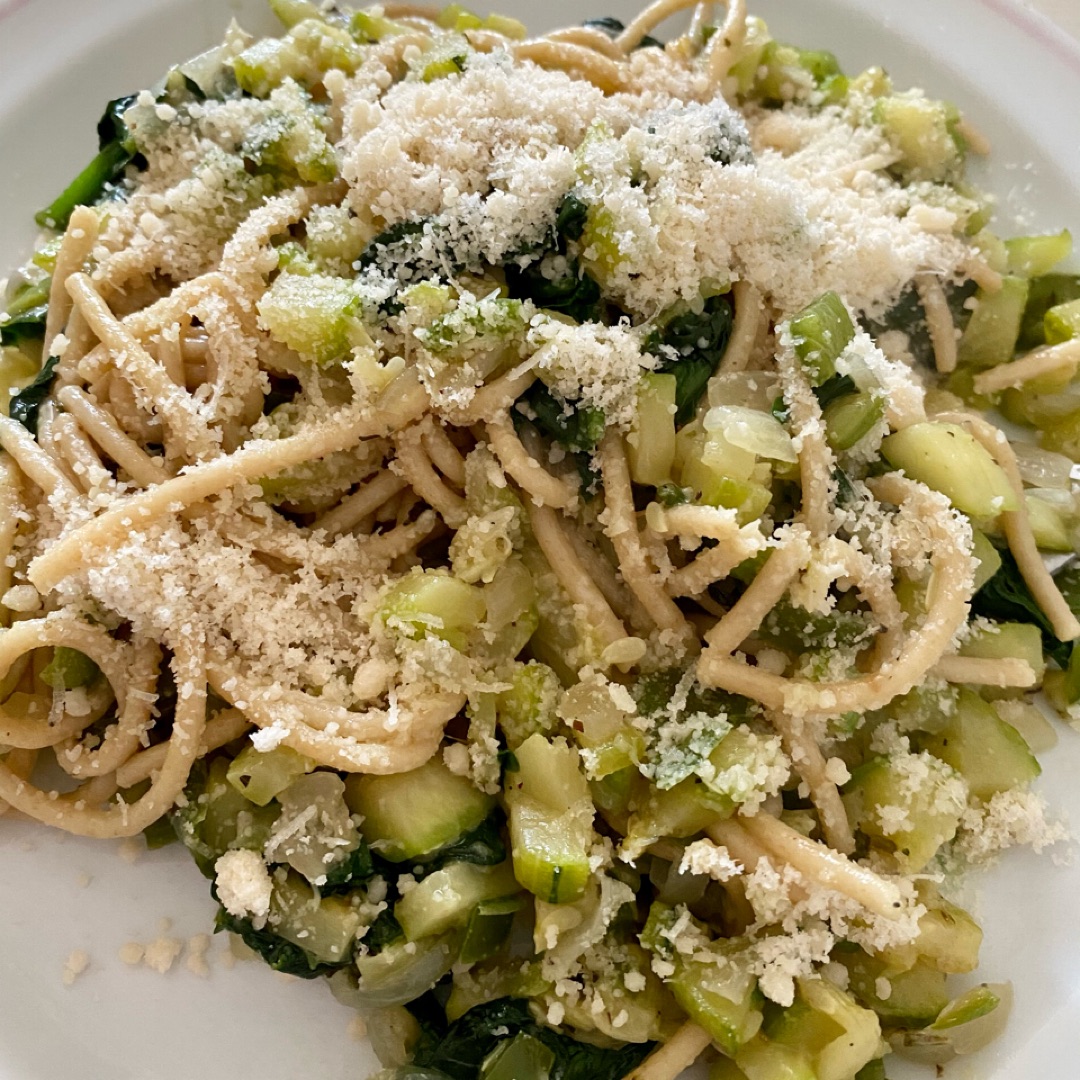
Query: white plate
[[60, 60]]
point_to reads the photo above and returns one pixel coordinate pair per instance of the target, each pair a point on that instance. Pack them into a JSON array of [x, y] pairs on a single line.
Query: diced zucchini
[[1004, 641], [989, 753], [986, 556], [521, 1058], [763, 1060], [315, 314], [291, 12], [447, 897], [913, 997], [726, 1003], [723, 998], [218, 818], [433, 602], [678, 812], [820, 333], [310, 49], [950, 460], [949, 938], [911, 802], [1036, 256], [324, 927], [965, 1025], [785, 73], [551, 815], [1062, 323], [992, 331], [851, 418], [1047, 523], [488, 927], [368, 26], [412, 814], [924, 134], [837, 1035], [262, 775], [651, 442]]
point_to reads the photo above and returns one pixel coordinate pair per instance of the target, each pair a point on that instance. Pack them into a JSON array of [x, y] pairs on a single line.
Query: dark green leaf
[[574, 426], [833, 389], [653, 694], [571, 218], [280, 954], [483, 846], [1007, 598], [26, 404], [670, 494], [385, 930], [471, 1038], [574, 293], [691, 345], [908, 316], [352, 871]]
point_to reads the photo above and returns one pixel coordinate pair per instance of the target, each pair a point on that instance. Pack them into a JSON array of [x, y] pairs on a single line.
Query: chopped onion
[[758, 432], [1043, 468]]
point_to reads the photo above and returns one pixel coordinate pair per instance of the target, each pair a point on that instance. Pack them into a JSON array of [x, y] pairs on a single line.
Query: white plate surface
[[1014, 74]]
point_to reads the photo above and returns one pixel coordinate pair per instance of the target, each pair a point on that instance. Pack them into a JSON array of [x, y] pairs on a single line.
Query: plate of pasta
[[555, 535]]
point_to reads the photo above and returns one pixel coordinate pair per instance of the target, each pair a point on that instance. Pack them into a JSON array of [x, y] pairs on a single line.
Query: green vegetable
[[447, 897], [68, 669], [461, 1050], [260, 776], [931, 801], [994, 327], [690, 344], [26, 404], [990, 754], [551, 814], [650, 446], [280, 954], [412, 814], [1036, 256], [522, 1058], [26, 313], [1007, 598], [851, 418], [116, 148], [820, 333], [949, 459], [924, 134], [1045, 293], [577, 427], [573, 292]]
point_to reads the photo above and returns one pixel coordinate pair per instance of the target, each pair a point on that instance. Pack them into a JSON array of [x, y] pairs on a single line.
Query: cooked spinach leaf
[[26, 404], [461, 1051], [1007, 598], [690, 345], [280, 954]]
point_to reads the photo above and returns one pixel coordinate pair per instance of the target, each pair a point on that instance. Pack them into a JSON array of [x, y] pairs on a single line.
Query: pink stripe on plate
[[1039, 27]]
